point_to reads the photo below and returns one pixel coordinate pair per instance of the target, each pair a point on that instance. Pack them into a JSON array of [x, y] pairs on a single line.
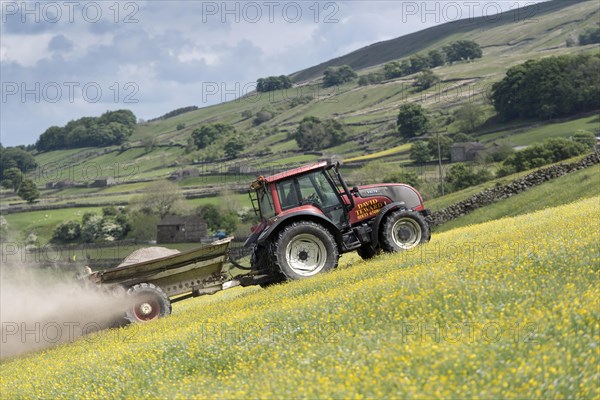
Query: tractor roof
[[292, 172]]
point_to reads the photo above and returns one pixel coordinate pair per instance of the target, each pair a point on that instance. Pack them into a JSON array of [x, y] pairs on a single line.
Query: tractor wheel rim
[[406, 233], [146, 310], [306, 254]]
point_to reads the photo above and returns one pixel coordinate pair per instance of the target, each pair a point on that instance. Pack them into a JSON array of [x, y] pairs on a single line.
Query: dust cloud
[[41, 308]]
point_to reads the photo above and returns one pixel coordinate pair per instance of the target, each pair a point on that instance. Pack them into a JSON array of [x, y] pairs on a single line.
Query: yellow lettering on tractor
[[368, 208]]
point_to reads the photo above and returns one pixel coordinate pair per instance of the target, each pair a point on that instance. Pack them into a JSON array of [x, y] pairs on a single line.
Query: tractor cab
[[317, 188]]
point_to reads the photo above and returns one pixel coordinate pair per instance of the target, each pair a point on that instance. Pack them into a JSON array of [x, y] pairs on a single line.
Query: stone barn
[[176, 229], [466, 151]]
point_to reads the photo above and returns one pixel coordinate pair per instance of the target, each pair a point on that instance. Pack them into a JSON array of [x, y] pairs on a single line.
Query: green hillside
[[479, 312], [498, 31], [369, 112]]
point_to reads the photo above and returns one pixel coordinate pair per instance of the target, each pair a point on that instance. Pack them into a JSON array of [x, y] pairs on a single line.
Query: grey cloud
[[60, 43]]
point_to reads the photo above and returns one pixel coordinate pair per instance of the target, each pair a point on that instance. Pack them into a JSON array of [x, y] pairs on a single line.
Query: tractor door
[[316, 189]]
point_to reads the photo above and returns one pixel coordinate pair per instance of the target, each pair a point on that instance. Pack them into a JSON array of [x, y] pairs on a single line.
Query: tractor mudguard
[[252, 239], [382, 214], [302, 215]]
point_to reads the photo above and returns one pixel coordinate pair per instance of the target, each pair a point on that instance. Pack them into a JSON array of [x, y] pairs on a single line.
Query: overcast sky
[[67, 59]]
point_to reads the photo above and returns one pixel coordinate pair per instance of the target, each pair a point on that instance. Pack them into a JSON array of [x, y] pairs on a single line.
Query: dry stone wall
[[493, 195]]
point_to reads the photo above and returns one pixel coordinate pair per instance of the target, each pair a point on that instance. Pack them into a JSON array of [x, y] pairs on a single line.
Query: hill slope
[[478, 312], [368, 111], [389, 50]]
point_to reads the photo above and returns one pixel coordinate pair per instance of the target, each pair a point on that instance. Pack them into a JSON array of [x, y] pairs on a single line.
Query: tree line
[[111, 128], [548, 88], [457, 51]]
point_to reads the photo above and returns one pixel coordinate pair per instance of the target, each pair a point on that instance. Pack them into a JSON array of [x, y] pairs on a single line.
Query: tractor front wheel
[[304, 249], [146, 302], [404, 230]]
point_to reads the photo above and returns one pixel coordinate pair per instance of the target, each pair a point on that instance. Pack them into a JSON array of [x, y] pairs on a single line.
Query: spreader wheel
[[147, 302]]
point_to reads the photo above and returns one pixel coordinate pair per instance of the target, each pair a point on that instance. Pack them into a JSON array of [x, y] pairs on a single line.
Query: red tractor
[[309, 217]]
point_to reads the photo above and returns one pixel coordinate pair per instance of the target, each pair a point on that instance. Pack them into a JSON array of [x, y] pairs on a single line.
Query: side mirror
[[355, 191]]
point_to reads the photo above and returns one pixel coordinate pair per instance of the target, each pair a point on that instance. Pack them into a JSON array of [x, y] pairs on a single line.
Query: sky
[[62, 60]]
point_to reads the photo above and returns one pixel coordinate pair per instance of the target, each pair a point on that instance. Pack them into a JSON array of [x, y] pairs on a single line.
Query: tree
[[149, 141], [500, 151], [370, 79], [13, 157], [13, 179], [143, 225], [68, 231], [426, 79], [262, 116], [445, 143], [462, 176], [233, 148], [161, 198], [418, 63], [211, 215], [586, 138], [272, 83], [393, 70], [91, 228], [229, 222], [469, 117], [412, 120], [216, 219], [462, 50], [24, 187], [180, 126], [590, 36], [419, 152], [28, 191], [436, 58], [337, 76], [314, 134], [207, 134]]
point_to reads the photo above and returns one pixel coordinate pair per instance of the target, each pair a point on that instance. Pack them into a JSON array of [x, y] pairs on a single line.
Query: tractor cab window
[[288, 196], [265, 203]]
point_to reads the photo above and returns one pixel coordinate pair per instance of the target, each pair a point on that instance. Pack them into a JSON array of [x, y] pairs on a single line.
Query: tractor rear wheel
[[146, 302], [404, 230], [304, 249]]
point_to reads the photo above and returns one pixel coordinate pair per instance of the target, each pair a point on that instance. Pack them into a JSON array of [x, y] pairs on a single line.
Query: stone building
[[466, 151], [177, 229]]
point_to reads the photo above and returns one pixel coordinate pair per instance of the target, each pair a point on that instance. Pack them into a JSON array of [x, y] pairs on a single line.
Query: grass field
[[504, 309], [44, 222]]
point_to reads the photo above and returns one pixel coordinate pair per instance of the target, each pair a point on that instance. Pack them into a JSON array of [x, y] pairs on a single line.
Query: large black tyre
[[304, 249], [366, 251], [403, 230], [146, 302]]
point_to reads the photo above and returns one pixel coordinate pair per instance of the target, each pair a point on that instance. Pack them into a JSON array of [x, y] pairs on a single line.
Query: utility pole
[[440, 162]]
